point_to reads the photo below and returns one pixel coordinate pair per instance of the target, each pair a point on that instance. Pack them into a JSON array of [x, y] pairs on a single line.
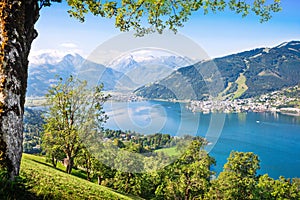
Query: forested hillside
[[245, 74]]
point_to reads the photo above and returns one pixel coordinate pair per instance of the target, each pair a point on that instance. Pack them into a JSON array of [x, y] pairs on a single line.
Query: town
[[285, 101]]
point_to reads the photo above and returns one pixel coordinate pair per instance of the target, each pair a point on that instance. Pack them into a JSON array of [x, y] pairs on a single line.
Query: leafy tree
[[242, 164], [53, 150], [296, 181], [268, 188], [85, 159], [229, 185], [75, 114], [17, 33], [103, 172], [118, 143], [93, 166], [189, 176], [129, 183], [238, 179], [127, 163], [162, 14]]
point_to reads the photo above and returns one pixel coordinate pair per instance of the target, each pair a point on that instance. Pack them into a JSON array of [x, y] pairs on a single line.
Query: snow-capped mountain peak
[[49, 56], [133, 60]]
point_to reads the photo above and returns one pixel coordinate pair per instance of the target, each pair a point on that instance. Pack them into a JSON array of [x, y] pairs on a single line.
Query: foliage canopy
[[145, 16], [75, 113]]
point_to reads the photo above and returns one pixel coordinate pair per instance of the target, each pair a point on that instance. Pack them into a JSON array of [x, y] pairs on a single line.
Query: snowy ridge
[[133, 60], [282, 45], [48, 56], [255, 56]]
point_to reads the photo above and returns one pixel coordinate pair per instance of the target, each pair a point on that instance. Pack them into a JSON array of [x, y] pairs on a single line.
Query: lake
[[275, 138]]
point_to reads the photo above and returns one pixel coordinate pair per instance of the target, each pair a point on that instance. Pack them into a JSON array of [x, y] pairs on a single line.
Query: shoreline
[[33, 105], [290, 114]]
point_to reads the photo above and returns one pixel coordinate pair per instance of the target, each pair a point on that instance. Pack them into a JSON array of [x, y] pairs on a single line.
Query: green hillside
[[242, 87], [246, 74], [44, 182], [171, 151]]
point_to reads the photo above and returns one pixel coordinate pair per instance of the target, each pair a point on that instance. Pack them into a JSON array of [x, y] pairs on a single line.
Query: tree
[[17, 33], [238, 179], [86, 160], [102, 171], [189, 176], [268, 188], [242, 164], [75, 114], [53, 150]]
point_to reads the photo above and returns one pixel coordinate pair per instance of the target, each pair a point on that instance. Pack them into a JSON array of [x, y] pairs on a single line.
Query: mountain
[[125, 73], [242, 75], [112, 79], [43, 72], [147, 66]]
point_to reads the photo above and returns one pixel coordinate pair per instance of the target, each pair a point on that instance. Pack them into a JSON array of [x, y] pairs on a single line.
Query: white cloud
[[157, 52], [51, 56], [69, 45]]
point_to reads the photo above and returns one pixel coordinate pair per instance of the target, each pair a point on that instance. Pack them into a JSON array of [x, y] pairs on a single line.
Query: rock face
[[16, 35]]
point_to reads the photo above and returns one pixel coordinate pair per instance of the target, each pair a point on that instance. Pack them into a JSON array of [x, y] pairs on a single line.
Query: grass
[[41, 181], [169, 151], [242, 87], [223, 95]]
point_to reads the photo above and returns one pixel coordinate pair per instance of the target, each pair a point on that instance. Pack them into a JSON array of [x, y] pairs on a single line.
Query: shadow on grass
[[16, 190], [75, 172], [46, 164], [79, 173]]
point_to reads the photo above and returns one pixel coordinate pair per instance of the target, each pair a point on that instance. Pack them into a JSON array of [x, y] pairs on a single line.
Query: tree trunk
[[54, 161], [17, 19], [88, 167], [99, 179], [88, 176], [70, 163]]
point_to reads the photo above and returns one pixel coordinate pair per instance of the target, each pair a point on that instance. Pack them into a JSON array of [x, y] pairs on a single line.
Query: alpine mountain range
[[258, 71]]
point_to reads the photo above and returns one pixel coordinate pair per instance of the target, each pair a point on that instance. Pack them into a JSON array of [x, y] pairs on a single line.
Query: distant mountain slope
[[43, 72], [148, 66], [123, 74], [245, 74], [96, 73]]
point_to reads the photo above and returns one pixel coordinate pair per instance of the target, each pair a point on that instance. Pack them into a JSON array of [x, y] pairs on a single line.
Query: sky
[[217, 34]]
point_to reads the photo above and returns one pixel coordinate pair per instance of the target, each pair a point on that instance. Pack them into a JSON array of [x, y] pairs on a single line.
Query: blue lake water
[[275, 138]]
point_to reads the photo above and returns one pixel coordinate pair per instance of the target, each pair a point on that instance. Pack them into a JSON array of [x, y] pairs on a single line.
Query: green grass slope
[[169, 151], [44, 182], [242, 87]]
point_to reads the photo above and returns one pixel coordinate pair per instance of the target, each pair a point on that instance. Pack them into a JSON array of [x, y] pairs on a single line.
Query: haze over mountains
[[242, 75], [44, 68], [146, 68], [123, 74]]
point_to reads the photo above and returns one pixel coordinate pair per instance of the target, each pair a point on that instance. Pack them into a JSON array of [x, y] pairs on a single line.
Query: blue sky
[[218, 34]]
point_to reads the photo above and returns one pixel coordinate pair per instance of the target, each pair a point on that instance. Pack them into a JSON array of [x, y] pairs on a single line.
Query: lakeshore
[[286, 102], [239, 106], [272, 136]]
